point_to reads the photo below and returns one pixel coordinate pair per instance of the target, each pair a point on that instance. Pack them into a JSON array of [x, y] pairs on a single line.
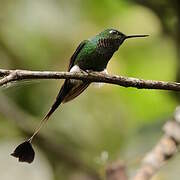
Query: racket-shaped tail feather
[[24, 152]]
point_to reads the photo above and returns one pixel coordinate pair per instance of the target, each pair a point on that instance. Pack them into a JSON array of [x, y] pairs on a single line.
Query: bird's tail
[[68, 92], [58, 101], [24, 151]]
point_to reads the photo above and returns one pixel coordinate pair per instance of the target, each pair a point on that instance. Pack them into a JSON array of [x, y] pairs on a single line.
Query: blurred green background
[[103, 124]]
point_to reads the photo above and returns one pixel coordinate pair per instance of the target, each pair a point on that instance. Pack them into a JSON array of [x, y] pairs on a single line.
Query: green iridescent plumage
[[96, 52], [93, 54]]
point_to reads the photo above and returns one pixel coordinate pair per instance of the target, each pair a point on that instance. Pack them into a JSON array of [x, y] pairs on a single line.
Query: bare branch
[[18, 75], [165, 149], [7, 79], [4, 72]]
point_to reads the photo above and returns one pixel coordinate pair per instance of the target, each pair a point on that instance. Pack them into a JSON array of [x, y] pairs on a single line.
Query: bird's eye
[[113, 32]]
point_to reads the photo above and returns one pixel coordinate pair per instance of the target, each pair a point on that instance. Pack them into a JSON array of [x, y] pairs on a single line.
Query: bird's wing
[[76, 52], [75, 91]]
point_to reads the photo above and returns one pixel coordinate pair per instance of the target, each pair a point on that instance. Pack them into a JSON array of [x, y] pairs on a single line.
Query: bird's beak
[[135, 36]]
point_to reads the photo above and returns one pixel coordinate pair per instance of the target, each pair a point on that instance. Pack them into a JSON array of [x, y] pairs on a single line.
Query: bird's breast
[[93, 58]]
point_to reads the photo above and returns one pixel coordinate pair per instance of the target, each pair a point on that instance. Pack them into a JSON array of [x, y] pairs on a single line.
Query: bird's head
[[112, 38]]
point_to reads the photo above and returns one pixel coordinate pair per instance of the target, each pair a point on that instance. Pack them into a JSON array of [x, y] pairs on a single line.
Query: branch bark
[[165, 149], [18, 75]]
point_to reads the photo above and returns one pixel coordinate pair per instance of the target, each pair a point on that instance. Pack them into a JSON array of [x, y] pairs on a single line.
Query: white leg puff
[[74, 69]]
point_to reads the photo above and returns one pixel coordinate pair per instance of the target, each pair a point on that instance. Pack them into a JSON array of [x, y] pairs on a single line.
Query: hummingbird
[[91, 55]]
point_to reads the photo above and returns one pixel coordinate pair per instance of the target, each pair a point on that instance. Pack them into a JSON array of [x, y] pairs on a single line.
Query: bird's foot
[[104, 72], [85, 72]]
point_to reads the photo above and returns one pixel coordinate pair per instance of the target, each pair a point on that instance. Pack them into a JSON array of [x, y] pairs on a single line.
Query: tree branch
[[165, 149], [18, 75]]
